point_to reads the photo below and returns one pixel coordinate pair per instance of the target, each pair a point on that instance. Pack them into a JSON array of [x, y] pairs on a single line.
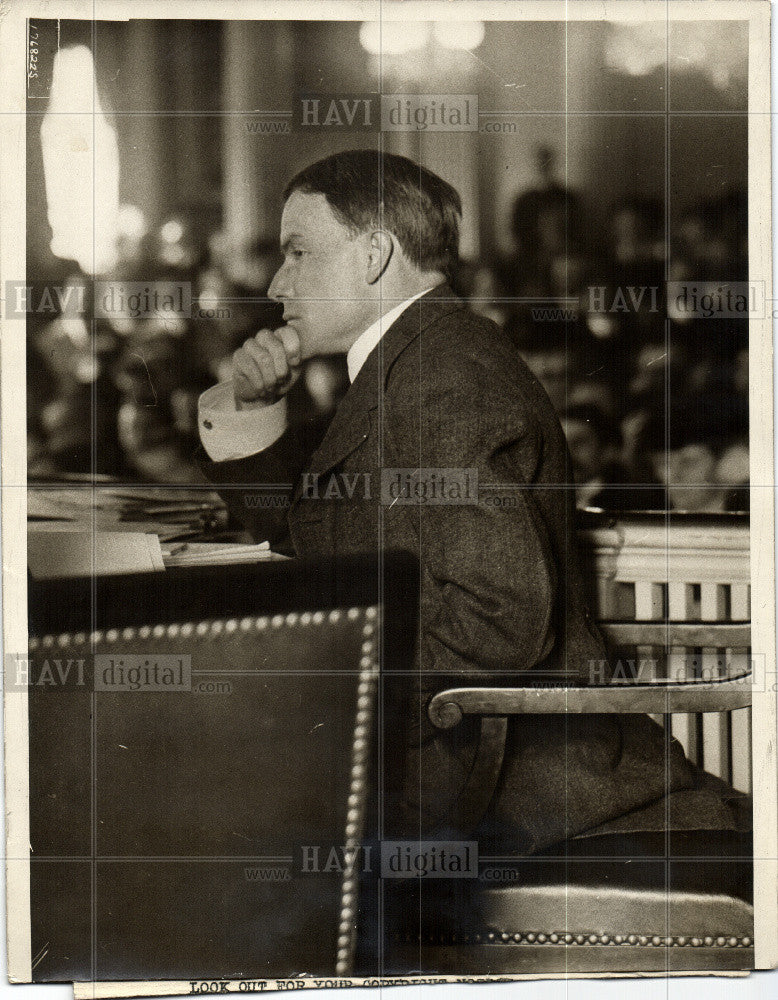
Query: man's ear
[[381, 250]]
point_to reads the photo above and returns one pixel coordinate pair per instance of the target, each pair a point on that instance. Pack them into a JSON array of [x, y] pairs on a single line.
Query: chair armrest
[[720, 635], [447, 708]]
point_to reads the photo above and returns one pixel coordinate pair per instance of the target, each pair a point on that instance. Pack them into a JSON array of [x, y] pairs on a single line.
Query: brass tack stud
[[216, 627], [681, 941], [541, 938], [531, 937], [306, 618], [202, 628], [633, 939], [261, 624], [353, 614], [291, 619], [48, 641], [568, 938], [580, 939], [318, 617], [277, 621], [656, 940], [231, 625], [246, 624], [172, 631], [721, 942], [517, 938], [186, 630], [334, 617], [158, 632], [371, 612], [708, 941]]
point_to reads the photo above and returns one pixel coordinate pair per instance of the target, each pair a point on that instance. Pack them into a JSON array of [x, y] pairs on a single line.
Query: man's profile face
[[322, 282]]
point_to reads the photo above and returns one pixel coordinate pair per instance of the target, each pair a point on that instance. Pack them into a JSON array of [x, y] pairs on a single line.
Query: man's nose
[[279, 286]]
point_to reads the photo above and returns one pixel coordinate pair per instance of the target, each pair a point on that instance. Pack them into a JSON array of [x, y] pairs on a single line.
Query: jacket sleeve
[[489, 575], [258, 489]]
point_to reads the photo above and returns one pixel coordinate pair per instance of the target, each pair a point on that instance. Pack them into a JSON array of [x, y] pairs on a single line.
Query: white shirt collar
[[360, 350]]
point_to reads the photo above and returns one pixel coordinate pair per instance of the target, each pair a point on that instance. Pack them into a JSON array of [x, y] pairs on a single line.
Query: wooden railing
[[679, 567]]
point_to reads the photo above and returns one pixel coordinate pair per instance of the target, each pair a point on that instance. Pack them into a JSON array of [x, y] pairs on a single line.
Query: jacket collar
[[410, 324], [351, 424]]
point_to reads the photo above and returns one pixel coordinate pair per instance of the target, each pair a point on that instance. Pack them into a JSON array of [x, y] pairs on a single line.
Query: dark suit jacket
[[499, 590]]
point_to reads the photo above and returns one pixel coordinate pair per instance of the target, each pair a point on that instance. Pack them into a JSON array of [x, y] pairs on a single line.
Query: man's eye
[[296, 253]]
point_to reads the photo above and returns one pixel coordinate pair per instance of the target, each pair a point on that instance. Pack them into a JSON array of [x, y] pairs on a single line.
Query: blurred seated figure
[[698, 451], [157, 383], [547, 226], [547, 218], [73, 403], [601, 480], [711, 243], [550, 362], [622, 301], [482, 286], [593, 388]]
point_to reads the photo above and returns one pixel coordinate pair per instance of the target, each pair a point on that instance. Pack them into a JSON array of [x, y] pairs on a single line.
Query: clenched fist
[[266, 367]]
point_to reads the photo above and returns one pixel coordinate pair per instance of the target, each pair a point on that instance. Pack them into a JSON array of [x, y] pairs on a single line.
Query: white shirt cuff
[[227, 433]]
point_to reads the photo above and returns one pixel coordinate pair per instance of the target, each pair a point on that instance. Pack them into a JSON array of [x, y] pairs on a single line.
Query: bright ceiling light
[[459, 34], [393, 38]]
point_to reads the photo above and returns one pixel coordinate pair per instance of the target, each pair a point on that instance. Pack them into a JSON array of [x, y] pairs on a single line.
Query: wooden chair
[[662, 901]]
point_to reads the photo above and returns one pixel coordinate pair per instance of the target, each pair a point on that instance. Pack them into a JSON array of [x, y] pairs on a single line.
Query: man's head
[[359, 227]]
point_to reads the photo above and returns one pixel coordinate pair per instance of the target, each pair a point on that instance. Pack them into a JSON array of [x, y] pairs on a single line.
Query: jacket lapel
[[351, 424]]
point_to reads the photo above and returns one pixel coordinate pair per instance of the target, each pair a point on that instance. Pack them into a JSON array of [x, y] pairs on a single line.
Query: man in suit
[[367, 239]]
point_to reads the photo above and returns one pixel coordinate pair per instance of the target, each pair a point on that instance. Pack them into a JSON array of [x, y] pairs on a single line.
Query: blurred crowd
[[651, 393]]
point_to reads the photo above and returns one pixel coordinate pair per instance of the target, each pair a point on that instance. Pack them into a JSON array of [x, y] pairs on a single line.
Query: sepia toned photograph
[[387, 493]]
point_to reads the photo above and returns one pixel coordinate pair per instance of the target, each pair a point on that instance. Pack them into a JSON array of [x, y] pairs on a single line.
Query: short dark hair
[[367, 188]]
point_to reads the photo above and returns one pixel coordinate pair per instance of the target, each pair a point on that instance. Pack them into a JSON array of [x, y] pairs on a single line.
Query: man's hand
[[266, 367]]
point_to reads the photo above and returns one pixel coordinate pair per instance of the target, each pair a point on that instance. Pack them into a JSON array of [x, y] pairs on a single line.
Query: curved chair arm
[[447, 708], [474, 799]]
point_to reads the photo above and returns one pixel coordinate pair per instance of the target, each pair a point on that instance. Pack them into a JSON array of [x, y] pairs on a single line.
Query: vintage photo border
[[13, 396]]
